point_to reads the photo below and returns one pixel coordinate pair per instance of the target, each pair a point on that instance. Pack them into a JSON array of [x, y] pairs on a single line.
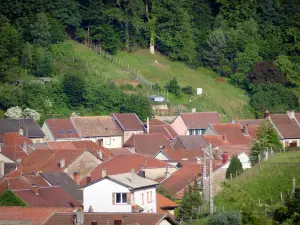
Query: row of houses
[[103, 166]]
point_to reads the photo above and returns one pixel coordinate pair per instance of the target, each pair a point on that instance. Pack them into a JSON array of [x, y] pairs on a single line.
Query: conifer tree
[[235, 167]]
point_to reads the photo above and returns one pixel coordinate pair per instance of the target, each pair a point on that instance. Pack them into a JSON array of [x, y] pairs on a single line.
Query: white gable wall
[[148, 204], [245, 160]]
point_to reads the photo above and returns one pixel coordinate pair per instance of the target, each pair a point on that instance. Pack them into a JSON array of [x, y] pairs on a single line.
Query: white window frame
[[121, 198]]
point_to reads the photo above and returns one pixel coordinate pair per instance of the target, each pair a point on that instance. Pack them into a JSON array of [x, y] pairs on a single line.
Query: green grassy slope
[[264, 182], [218, 96]]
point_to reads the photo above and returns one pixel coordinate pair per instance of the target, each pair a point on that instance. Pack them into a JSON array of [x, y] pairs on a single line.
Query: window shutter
[[128, 198], [113, 198]]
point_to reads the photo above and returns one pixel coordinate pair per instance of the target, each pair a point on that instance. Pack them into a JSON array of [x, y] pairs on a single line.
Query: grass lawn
[[232, 102]]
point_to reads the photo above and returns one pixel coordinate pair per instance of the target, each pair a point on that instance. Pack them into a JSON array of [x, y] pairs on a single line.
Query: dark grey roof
[[30, 127], [192, 142], [65, 182]]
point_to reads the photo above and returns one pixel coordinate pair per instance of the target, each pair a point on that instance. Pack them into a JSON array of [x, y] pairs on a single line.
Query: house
[[63, 180], [126, 192], [155, 121], [53, 196], [173, 155], [233, 134], [129, 123], [100, 129], [287, 127], [189, 142], [6, 164], [147, 143], [25, 127], [64, 160], [67, 218], [194, 123], [148, 165], [165, 205], [164, 129], [59, 130], [15, 146]]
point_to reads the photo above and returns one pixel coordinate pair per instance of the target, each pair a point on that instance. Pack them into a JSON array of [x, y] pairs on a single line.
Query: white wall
[[161, 156], [48, 135], [164, 222], [147, 206], [245, 160], [115, 141], [99, 196]]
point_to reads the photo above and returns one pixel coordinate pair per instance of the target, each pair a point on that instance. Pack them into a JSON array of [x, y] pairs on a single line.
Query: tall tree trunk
[[127, 36]]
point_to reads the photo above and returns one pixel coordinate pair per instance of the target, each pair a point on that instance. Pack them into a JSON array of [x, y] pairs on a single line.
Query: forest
[[254, 44]]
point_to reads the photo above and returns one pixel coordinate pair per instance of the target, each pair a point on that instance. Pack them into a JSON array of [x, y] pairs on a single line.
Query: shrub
[[173, 87], [188, 90], [225, 218], [235, 167]]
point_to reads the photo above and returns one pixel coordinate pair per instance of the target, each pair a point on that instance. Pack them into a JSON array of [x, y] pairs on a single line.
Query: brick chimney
[[76, 177], [225, 157], [35, 189], [21, 131], [62, 163], [104, 172], [246, 130], [224, 137], [291, 114], [266, 114], [118, 221]]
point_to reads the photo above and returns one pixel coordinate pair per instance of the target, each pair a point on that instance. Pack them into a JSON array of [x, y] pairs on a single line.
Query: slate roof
[[200, 120], [48, 160], [96, 126], [62, 128], [164, 203], [164, 129], [234, 133], [12, 146], [129, 121], [30, 127], [108, 218], [28, 215], [65, 182], [116, 165], [287, 127], [147, 143], [191, 142], [21, 182], [47, 197]]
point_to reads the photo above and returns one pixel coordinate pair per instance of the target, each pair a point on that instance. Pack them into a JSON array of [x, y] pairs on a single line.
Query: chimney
[[224, 137], [225, 157], [217, 154], [266, 114], [104, 172], [118, 221], [62, 163], [132, 175], [167, 174], [35, 189], [88, 179], [1, 169], [291, 114], [76, 177], [100, 154], [21, 131], [94, 223], [245, 130], [148, 126]]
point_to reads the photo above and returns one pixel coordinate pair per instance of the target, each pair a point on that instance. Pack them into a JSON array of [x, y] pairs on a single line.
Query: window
[[148, 200], [150, 196], [197, 132], [202, 131], [121, 198], [62, 132], [107, 141], [190, 132]]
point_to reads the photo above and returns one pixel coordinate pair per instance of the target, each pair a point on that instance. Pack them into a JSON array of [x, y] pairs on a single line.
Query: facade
[[129, 123], [100, 129], [59, 130], [194, 123], [127, 192]]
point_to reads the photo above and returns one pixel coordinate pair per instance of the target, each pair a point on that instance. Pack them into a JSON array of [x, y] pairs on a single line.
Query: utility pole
[[204, 177], [211, 198]]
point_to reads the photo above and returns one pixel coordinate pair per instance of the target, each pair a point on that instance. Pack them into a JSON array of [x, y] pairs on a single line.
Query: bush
[[173, 87], [235, 167], [225, 218], [188, 90]]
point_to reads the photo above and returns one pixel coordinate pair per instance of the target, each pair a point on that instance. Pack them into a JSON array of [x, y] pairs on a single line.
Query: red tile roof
[[297, 115], [178, 155], [121, 151], [165, 129], [200, 120], [129, 121], [215, 140], [287, 127], [96, 126], [164, 203], [256, 122], [47, 197], [48, 160], [61, 145], [147, 143], [62, 128], [156, 122], [22, 182], [12, 146], [234, 133], [34, 215], [116, 165], [235, 150]]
